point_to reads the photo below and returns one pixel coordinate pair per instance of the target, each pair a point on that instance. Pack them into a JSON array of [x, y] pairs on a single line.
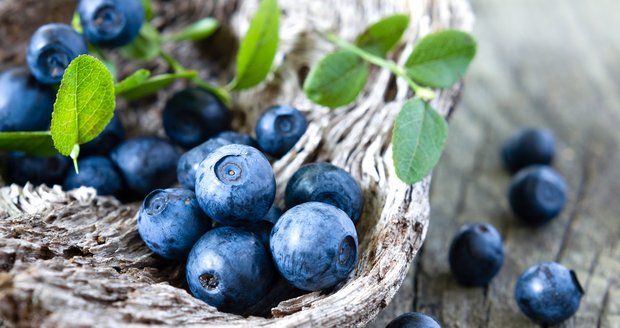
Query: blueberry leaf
[[441, 59], [148, 9], [150, 86], [33, 143], [145, 47], [383, 35], [196, 31], [337, 79], [84, 104], [132, 81], [418, 138], [258, 48], [76, 23]]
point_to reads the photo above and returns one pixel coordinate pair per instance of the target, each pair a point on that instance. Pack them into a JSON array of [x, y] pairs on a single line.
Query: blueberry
[[146, 163], [327, 183], [262, 230], [230, 269], [170, 222], [476, 254], [25, 104], [52, 47], [111, 23], [413, 320], [235, 184], [537, 194], [273, 215], [238, 138], [37, 170], [548, 293], [97, 172], [188, 163], [279, 128], [110, 137], [528, 147], [194, 115], [314, 246]]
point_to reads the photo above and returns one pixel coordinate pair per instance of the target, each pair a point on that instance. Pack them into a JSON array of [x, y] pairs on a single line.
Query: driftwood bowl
[[75, 259]]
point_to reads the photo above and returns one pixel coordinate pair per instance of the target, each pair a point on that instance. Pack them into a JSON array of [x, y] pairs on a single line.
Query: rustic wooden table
[[554, 64]]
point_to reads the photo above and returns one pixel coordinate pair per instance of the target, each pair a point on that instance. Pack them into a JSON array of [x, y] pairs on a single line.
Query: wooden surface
[[553, 63]]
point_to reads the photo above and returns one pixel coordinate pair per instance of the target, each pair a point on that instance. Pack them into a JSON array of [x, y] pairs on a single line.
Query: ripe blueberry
[[279, 128], [97, 172], [230, 269], [413, 320], [25, 104], [476, 254], [327, 183], [111, 23], [314, 246], [52, 47], [238, 138], [37, 170], [110, 137], [537, 194], [528, 147], [194, 115], [548, 293], [235, 184], [188, 163], [274, 214]]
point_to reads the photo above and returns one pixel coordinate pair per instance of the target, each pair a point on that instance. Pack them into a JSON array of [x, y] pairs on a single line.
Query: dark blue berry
[[279, 128], [314, 246], [97, 172], [230, 269], [194, 115], [528, 147], [37, 170], [327, 183], [476, 254], [413, 320], [111, 23], [262, 230], [25, 104], [170, 222], [273, 215], [238, 138], [537, 194], [52, 47], [146, 163], [235, 184], [548, 293], [110, 137], [188, 163]]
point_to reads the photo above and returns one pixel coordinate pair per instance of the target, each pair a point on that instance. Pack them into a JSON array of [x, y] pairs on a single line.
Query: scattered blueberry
[[52, 47], [413, 320], [171, 221], [262, 230], [25, 104], [273, 215], [111, 23], [238, 138], [230, 269], [194, 115], [327, 183], [188, 163], [110, 137], [548, 293], [279, 128], [146, 163], [37, 170], [235, 184], [476, 254], [314, 246], [537, 194], [528, 147], [97, 172]]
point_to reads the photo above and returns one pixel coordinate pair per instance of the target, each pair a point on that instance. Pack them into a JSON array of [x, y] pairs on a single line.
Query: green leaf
[[337, 79], [132, 81], [84, 104], [258, 48], [145, 47], [199, 30], [151, 85], [418, 139], [383, 35], [33, 143], [148, 9], [76, 23], [441, 59]]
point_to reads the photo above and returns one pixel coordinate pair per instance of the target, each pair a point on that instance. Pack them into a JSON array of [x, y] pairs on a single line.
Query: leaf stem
[[176, 66]]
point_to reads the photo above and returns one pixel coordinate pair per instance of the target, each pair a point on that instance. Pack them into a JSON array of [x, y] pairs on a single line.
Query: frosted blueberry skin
[[37, 170], [327, 183], [194, 115], [110, 137], [146, 163], [111, 23], [548, 293], [537, 194], [235, 184], [476, 254], [170, 222], [229, 269], [413, 320], [188, 163], [238, 138], [52, 47], [527, 147], [314, 246], [25, 104], [97, 172], [279, 128]]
